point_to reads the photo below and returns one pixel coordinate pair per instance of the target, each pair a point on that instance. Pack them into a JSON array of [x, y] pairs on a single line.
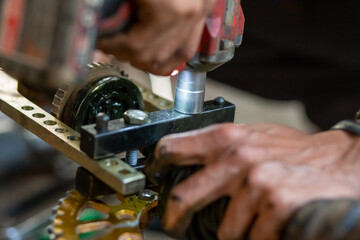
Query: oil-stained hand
[[267, 171], [166, 34]]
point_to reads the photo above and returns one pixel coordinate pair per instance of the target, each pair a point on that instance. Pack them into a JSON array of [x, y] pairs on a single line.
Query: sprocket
[[106, 89]]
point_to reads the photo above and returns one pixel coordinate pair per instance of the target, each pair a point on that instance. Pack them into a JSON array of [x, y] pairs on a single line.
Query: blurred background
[[299, 65]]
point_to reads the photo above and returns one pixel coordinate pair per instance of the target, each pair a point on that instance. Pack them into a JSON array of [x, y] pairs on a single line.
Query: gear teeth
[[61, 201], [64, 92], [54, 209], [59, 99]]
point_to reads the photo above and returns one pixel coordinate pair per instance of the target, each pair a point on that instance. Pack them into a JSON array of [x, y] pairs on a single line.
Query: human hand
[[166, 34], [267, 171]]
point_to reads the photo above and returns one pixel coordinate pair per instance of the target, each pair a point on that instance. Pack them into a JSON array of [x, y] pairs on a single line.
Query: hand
[[267, 170], [166, 34]]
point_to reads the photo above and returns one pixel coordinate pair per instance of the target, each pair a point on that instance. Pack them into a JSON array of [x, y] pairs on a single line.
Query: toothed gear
[[111, 217], [106, 89]]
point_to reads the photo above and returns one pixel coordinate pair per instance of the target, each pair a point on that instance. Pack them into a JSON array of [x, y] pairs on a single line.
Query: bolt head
[[135, 117], [146, 195], [219, 101]]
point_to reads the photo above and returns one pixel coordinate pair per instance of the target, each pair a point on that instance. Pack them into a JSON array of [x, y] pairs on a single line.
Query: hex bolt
[[134, 117], [146, 195], [102, 122]]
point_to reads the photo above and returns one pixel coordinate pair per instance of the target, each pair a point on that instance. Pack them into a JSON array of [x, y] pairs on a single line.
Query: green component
[[89, 235], [90, 214]]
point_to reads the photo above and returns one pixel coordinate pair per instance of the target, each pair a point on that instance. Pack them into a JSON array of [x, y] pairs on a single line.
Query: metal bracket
[[122, 137], [114, 172]]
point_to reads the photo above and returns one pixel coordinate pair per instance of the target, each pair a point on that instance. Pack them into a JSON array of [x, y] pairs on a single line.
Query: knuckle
[[258, 177], [227, 132], [180, 9], [187, 53], [243, 155], [280, 199]]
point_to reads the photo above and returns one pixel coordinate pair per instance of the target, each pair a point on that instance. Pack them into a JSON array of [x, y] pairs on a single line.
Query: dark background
[[301, 49]]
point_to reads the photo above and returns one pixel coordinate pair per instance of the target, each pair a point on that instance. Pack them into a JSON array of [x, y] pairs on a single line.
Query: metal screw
[[135, 117], [132, 157], [146, 195], [102, 122]]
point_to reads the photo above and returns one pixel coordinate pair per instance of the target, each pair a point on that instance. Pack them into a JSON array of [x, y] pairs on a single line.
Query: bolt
[[219, 101], [146, 195], [132, 157], [135, 117], [102, 122]]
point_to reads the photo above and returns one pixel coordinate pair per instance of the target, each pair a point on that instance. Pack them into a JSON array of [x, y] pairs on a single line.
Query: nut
[[146, 195], [135, 117]]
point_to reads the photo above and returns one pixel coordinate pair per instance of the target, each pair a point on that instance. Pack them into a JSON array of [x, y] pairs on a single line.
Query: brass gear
[[106, 89], [77, 217]]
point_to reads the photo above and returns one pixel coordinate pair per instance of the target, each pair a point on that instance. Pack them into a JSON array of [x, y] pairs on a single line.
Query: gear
[[106, 89], [110, 217]]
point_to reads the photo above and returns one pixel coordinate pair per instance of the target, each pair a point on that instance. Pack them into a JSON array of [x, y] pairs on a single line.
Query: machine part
[[190, 92], [205, 222], [106, 90], [114, 172], [108, 217], [102, 122], [90, 186], [161, 123], [135, 117], [132, 157]]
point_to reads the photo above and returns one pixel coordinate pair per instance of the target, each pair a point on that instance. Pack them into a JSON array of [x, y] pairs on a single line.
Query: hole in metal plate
[[27, 108], [73, 138], [38, 115], [50, 122], [61, 130]]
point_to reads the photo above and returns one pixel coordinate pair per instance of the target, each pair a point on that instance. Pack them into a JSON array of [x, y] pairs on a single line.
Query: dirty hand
[[166, 34], [267, 171]]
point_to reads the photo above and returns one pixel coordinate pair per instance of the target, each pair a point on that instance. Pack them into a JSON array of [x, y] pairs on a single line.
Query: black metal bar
[[122, 137]]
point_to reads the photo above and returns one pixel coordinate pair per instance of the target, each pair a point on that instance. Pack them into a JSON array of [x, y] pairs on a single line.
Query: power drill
[[223, 32], [43, 50]]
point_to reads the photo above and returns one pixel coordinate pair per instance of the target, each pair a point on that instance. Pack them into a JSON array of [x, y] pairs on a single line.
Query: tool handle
[[337, 219]]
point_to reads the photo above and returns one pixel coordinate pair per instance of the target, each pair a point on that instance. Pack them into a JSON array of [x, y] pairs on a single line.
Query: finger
[[269, 224], [182, 51], [202, 146], [196, 192], [126, 46], [242, 210], [276, 130]]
